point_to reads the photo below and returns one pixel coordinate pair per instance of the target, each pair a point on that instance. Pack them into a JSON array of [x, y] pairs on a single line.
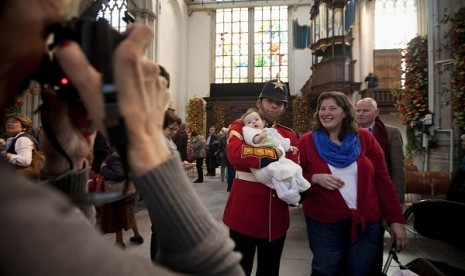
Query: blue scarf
[[339, 156]]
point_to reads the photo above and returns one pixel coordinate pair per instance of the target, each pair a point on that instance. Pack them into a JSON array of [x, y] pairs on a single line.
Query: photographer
[[44, 233]]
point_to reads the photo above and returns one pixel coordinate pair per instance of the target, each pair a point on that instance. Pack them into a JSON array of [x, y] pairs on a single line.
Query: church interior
[[221, 52]]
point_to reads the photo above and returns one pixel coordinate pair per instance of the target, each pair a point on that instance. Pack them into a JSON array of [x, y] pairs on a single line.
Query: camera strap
[[90, 32]]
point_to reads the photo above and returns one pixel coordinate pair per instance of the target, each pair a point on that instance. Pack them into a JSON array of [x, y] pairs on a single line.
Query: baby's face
[[254, 120]]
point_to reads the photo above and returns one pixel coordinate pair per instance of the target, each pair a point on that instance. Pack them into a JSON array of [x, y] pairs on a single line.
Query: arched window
[[116, 13]]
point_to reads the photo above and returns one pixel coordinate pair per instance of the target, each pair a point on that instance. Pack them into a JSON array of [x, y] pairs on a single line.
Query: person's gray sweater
[[43, 233]]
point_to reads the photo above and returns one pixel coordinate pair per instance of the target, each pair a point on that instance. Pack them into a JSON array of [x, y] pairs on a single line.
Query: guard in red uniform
[[257, 218]]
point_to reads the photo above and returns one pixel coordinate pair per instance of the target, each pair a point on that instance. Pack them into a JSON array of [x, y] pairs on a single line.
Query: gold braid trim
[[234, 133]]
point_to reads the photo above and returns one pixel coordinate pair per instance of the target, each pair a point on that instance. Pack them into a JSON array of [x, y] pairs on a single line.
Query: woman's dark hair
[[170, 118], [165, 74], [194, 133], [348, 123]]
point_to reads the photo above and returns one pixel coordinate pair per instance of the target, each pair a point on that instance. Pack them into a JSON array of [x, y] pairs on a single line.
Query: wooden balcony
[[384, 97]]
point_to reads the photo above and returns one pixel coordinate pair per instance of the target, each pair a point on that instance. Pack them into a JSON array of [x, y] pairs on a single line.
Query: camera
[[97, 39]]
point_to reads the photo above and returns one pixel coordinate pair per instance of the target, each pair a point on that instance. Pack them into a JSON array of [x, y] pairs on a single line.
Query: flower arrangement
[[413, 98], [301, 114], [195, 115], [412, 103], [456, 34], [220, 114]]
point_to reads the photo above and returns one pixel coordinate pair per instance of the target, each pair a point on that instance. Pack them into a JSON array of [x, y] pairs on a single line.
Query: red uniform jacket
[[376, 195], [252, 208]]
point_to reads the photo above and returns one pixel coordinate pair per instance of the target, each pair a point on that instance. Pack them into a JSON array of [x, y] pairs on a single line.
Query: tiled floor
[[296, 258]]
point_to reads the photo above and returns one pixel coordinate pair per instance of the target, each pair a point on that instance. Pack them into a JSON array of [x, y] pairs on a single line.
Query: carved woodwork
[[387, 67]]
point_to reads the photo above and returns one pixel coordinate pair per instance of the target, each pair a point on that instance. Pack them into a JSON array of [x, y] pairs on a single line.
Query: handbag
[[96, 184], [33, 170], [119, 186], [116, 186]]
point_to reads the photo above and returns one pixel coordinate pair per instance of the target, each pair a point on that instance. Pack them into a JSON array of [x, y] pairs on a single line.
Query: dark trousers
[[333, 251], [211, 162], [268, 253], [231, 175], [153, 245], [377, 266], [199, 167]]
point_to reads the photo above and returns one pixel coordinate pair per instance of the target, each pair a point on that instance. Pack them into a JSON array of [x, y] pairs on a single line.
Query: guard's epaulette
[[285, 127]]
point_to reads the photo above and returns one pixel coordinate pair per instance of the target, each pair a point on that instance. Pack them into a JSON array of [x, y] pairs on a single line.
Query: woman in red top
[[351, 191]]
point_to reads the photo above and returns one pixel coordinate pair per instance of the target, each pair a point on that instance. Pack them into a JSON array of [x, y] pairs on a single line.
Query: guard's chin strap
[[266, 117]]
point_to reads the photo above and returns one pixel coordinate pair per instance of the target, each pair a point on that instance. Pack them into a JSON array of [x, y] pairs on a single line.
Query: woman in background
[[20, 145], [118, 216], [22, 148], [198, 144]]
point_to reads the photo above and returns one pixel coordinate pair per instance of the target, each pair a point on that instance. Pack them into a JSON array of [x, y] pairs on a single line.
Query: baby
[[284, 175]]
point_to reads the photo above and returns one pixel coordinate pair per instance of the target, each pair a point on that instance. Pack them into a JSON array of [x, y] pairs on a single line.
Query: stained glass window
[[241, 56], [271, 43], [231, 39]]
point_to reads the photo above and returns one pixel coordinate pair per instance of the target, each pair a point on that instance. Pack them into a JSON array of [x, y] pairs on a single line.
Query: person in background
[[171, 124], [100, 150], [222, 139], [22, 148], [388, 137], [198, 145], [170, 128], [19, 145], [231, 173], [257, 219], [191, 240], [456, 190], [119, 215], [211, 147], [371, 80], [180, 140], [390, 140], [351, 191]]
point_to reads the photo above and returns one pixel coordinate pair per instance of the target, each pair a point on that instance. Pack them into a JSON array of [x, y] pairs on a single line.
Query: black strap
[[49, 131]]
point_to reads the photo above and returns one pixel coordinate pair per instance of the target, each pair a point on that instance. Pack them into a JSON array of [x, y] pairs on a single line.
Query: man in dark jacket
[[211, 147], [180, 139]]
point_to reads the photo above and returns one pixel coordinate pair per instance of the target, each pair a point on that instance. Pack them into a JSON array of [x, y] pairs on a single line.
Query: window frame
[[252, 69]]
